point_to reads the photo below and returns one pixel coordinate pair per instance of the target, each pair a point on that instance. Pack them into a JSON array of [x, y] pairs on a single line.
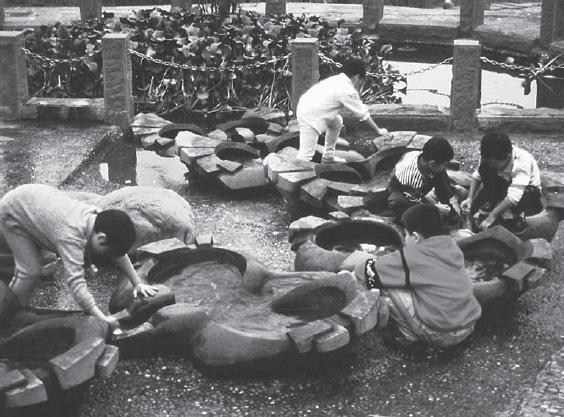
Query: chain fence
[[530, 72]]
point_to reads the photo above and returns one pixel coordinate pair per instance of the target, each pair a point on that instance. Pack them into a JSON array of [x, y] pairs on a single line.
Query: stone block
[[363, 311], [517, 274], [535, 278], [107, 362], [33, 392], [162, 246], [542, 254], [303, 337], [333, 340], [338, 216], [204, 241], [229, 166], [350, 204], [78, 364], [11, 379]]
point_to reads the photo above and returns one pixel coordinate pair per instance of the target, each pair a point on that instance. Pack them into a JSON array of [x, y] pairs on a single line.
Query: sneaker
[[333, 160], [401, 342]]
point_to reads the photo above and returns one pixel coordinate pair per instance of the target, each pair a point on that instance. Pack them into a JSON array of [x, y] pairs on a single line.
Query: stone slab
[[335, 339], [107, 362], [291, 181], [363, 312], [33, 392], [303, 336], [11, 379]]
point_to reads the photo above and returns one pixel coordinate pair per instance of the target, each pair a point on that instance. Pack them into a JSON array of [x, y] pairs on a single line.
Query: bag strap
[[406, 269]]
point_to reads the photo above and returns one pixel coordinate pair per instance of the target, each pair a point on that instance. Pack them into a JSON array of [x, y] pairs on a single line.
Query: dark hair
[[354, 66], [437, 149], [424, 219], [118, 228], [495, 145]]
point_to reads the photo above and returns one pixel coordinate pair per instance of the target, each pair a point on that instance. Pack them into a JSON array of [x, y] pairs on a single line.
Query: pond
[[431, 85]]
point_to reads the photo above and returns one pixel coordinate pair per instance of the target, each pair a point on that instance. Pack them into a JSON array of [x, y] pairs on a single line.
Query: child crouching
[[432, 299]]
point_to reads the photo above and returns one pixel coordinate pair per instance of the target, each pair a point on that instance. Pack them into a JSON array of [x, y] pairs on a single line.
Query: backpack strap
[[406, 269]]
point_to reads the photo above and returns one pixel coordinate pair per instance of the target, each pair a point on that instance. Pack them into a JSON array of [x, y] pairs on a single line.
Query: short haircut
[[118, 228], [354, 66], [437, 149], [424, 219], [495, 145]]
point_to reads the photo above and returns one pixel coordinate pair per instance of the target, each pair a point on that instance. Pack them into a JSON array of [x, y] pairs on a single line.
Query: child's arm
[[379, 131], [139, 288], [466, 204]]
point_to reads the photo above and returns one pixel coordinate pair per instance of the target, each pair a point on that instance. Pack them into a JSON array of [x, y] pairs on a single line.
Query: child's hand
[[144, 290], [444, 209], [465, 206], [384, 132], [487, 223], [113, 322]]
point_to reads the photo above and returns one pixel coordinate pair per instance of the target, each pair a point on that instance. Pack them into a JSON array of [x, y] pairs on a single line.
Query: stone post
[[305, 67], [90, 10], [13, 75], [471, 15], [275, 7], [182, 4], [465, 92], [547, 23], [118, 94], [2, 13], [372, 13]]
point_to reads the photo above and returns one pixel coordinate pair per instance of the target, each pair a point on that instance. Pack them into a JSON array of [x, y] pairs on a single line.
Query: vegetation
[[185, 62]]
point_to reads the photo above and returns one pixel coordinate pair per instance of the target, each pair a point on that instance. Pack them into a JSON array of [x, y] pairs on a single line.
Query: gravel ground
[[487, 378]]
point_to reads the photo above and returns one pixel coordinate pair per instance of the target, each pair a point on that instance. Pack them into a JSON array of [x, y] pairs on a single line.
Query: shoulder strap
[[406, 269]]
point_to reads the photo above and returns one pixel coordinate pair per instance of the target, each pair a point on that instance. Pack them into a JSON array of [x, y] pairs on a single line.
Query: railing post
[[552, 21], [90, 10], [372, 13], [13, 75], [2, 14], [118, 90], [275, 7], [465, 92], [471, 15], [305, 67], [182, 4]]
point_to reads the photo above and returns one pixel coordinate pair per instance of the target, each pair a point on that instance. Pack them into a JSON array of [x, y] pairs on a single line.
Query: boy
[[319, 107], [511, 181], [432, 299], [417, 173], [39, 216]]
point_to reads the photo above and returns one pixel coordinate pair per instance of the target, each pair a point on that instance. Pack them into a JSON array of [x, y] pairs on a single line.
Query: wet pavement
[[512, 367]]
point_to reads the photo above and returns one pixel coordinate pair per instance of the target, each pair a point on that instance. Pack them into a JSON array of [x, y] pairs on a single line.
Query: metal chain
[[502, 103], [430, 67], [53, 61], [209, 69]]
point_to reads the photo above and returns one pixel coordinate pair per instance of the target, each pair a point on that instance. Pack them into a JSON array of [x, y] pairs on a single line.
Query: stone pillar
[[471, 15], [182, 4], [118, 94], [372, 13], [90, 10], [305, 67], [547, 23], [275, 7], [2, 13], [13, 75], [465, 91]]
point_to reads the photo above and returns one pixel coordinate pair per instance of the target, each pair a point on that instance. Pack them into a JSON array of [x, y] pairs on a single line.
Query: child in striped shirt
[[419, 172]]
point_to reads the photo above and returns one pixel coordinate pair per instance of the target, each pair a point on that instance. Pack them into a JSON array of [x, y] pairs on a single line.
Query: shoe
[[333, 160], [401, 342]]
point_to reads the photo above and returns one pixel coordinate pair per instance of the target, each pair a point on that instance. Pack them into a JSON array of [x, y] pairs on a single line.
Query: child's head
[[113, 235], [437, 153], [355, 69], [422, 221], [495, 149]]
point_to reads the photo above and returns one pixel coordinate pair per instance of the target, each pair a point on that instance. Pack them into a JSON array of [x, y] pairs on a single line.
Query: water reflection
[[127, 164]]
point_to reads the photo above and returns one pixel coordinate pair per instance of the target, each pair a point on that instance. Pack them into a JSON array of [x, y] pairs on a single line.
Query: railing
[[117, 106]]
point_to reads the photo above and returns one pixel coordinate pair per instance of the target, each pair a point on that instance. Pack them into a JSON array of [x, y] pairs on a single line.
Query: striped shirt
[[57, 223], [412, 182]]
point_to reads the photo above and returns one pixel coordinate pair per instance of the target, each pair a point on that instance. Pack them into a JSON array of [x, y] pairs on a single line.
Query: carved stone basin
[[45, 352], [500, 264], [231, 310]]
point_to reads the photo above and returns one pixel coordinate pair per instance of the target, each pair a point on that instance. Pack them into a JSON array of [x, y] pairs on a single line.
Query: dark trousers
[[495, 190], [399, 203]]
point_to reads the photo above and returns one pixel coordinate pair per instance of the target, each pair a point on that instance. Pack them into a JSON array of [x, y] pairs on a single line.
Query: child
[[318, 110], [417, 173], [511, 180], [39, 216], [432, 299]]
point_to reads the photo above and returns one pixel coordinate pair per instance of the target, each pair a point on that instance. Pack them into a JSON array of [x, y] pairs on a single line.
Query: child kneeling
[[432, 299]]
